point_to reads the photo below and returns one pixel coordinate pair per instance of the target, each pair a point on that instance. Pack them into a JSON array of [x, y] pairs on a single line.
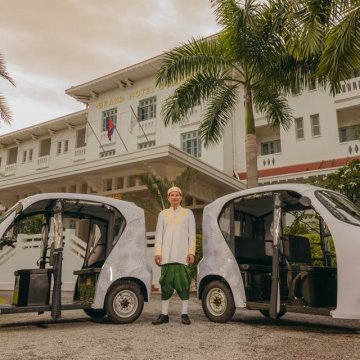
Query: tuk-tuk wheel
[[124, 302], [266, 313], [217, 302], [95, 313]]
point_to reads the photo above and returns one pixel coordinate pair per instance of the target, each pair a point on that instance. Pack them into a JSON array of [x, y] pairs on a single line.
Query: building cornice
[[167, 154], [122, 79], [46, 128], [306, 169]]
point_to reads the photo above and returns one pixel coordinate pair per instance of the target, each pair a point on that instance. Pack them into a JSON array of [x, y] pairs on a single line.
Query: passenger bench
[[309, 285]]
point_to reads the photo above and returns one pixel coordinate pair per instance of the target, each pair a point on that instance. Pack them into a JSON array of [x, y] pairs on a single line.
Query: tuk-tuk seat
[[251, 251], [297, 249], [311, 285]]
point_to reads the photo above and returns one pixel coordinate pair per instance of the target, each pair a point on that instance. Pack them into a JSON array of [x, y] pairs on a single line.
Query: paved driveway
[[248, 336]]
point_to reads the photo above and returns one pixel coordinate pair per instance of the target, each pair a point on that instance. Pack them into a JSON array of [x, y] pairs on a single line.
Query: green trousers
[[175, 277]]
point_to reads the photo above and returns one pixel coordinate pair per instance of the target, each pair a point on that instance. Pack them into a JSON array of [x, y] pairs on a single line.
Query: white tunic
[[175, 236]]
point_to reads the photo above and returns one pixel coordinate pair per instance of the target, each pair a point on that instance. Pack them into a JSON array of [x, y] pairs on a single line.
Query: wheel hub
[[216, 302], [125, 303]]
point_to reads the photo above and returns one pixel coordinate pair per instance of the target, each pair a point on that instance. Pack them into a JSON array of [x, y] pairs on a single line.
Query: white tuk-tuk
[[114, 279], [281, 248]]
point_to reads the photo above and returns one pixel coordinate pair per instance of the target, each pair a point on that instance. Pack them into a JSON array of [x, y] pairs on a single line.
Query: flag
[[110, 127]]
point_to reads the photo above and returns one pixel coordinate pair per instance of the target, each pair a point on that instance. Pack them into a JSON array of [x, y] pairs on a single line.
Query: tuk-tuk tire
[[124, 302], [218, 291], [266, 313], [95, 313]]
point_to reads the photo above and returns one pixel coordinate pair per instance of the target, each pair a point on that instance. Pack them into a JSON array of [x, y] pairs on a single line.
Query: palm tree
[[327, 30], [247, 57], [5, 112], [158, 188]]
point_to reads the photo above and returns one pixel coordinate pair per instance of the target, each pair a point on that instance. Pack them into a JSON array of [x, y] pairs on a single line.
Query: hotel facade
[[74, 153]]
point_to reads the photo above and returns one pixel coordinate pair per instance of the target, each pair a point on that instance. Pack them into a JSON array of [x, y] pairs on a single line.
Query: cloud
[[52, 45]]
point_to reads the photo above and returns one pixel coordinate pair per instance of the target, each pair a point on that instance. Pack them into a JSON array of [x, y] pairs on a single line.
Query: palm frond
[[200, 87], [197, 56], [150, 205], [3, 72], [306, 26], [241, 21], [228, 12], [184, 180], [275, 107], [219, 110], [5, 112], [342, 49], [157, 188]]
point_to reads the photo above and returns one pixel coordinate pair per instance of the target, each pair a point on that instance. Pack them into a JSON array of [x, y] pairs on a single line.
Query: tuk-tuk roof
[[301, 189], [129, 210]]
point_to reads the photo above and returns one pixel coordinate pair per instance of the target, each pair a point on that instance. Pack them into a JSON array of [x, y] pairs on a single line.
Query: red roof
[[299, 168]]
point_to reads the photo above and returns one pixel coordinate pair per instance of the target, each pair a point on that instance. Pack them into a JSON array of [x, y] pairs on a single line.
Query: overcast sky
[[51, 45]]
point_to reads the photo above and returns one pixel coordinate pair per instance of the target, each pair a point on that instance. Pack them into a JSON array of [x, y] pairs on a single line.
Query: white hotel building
[[73, 153]]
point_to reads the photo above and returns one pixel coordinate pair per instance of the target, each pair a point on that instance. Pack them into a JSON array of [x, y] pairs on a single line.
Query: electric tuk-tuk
[[281, 248], [114, 278]]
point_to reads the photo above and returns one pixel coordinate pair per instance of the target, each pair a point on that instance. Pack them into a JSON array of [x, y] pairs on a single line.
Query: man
[[175, 240]]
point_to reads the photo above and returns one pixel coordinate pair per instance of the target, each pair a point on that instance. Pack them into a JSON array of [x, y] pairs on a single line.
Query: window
[[24, 156], [340, 206], [147, 109], [191, 143], [146, 144], [0, 162], [349, 133], [315, 125], [131, 181], [45, 146], [107, 185], [12, 156], [58, 151], [66, 146], [80, 138], [299, 128], [271, 147], [30, 155], [62, 147], [107, 153], [108, 114], [120, 182]]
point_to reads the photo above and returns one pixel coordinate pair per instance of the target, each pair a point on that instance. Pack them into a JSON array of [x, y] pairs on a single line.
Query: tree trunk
[[250, 142], [251, 161]]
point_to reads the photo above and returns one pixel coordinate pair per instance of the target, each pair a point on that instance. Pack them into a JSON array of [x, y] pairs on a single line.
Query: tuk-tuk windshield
[[340, 206]]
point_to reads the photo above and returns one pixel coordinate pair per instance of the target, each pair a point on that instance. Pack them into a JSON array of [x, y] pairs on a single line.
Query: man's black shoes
[[162, 319], [185, 319]]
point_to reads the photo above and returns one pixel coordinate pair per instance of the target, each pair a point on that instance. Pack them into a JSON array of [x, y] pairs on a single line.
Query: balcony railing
[[79, 154], [349, 89], [10, 169], [43, 162], [146, 126]]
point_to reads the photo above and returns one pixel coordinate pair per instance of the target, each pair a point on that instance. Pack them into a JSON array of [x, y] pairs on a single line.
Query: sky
[[51, 45]]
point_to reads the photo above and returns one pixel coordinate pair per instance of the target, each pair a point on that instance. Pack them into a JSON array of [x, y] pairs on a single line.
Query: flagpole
[[96, 136], [147, 140], [121, 139]]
